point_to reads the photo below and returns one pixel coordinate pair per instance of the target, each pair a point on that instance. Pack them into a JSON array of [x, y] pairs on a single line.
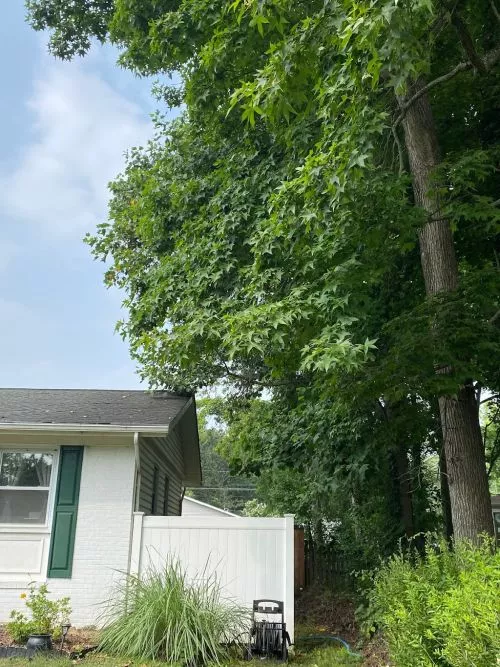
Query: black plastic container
[[39, 642]]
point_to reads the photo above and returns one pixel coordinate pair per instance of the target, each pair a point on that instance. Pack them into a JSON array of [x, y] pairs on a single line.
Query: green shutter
[[65, 513]]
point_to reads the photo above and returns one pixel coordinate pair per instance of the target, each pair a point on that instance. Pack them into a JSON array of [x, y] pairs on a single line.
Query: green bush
[[163, 615], [441, 609], [46, 615]]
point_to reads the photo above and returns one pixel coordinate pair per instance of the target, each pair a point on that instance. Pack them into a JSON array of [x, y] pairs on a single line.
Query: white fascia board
[[84, 428]]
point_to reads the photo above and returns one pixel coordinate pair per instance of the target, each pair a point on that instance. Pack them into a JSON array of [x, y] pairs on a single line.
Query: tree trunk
[[445, 496], [462, 442], [466, 465], [404, 491]]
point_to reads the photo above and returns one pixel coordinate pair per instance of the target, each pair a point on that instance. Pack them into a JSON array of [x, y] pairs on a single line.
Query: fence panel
[[253, 557], [299, 559], [326, 568]]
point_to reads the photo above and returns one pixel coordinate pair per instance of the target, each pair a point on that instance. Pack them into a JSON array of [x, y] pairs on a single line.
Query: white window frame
[[39, 527]]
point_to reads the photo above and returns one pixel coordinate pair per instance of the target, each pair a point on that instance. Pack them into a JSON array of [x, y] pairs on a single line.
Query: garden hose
[[341, 641]]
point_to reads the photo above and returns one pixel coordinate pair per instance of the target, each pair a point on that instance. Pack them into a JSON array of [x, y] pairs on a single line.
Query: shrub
[[46, 615], [163, 615], [440, 609]]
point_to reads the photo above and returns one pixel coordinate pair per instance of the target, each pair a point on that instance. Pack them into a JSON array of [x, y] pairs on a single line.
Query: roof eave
[[84, 428]]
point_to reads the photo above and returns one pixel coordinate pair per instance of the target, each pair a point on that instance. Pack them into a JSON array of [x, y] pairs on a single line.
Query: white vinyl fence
[[253, 557]]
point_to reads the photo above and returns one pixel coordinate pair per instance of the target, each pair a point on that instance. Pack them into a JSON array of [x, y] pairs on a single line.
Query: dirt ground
[[327, 612]]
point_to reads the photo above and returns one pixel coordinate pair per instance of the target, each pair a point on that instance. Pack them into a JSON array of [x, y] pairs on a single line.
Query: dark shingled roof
[[89, 406]]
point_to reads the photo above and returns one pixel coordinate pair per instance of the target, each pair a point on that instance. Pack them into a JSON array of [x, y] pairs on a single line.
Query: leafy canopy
[[267, 238]]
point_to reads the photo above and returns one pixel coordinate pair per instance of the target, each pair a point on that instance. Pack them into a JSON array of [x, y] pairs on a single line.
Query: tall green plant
[[46, 615], [165, 615], [443, 608]]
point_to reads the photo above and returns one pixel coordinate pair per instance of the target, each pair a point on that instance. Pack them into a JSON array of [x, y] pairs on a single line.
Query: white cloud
[[58, 319], [82, 128]]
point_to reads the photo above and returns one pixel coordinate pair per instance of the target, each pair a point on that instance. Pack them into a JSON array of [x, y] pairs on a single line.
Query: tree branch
[[467, 43], [494, 318], [249, 381], [490, 59], [383, 407], [495, 10], [400, 150], [461, 67]]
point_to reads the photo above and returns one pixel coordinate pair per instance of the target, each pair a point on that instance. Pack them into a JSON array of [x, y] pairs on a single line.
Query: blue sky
[[63, 130]]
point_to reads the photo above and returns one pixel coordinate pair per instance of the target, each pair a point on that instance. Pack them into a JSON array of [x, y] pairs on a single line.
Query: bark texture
[[462, 441], [466, 465], [445, 496], [404, 492]]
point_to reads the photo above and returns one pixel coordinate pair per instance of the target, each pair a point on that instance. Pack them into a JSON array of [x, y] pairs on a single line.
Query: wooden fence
[[315, 565], [325, 567]]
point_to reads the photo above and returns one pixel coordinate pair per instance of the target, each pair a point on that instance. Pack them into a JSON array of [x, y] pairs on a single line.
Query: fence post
[[136, 547], [289, 577]]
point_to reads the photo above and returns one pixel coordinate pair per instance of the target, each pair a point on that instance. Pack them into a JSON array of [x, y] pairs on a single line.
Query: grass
[[327, 657]]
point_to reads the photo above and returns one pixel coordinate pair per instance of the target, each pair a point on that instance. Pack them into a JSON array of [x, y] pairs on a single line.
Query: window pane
[[25, 469], [18, 506]]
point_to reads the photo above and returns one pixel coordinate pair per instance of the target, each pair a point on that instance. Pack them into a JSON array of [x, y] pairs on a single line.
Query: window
[[165, 496], [24, 487], [154, 493]]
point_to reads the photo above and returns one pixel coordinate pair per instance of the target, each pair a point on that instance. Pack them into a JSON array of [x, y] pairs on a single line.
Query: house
[[193, 507], [74, 467]]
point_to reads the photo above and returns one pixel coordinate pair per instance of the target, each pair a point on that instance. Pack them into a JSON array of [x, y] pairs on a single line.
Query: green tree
[[326, 148], [491, 437], [337, 463], [220, 487]]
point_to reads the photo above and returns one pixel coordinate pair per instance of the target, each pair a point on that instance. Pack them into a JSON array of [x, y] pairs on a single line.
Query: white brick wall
[[102, 536], [102, 533], [9, 599]]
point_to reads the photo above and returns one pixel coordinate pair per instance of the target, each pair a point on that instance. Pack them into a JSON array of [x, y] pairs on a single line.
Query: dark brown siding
[[166, 455]]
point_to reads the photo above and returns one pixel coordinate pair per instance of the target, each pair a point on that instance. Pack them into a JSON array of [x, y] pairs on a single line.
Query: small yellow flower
[[23, 596]]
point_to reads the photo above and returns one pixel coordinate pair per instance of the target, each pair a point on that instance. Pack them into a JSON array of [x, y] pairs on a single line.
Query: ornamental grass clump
[[164, 615]]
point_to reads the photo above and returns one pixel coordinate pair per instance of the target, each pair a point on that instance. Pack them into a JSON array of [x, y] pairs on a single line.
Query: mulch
[[5, 640], [77, 640]]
